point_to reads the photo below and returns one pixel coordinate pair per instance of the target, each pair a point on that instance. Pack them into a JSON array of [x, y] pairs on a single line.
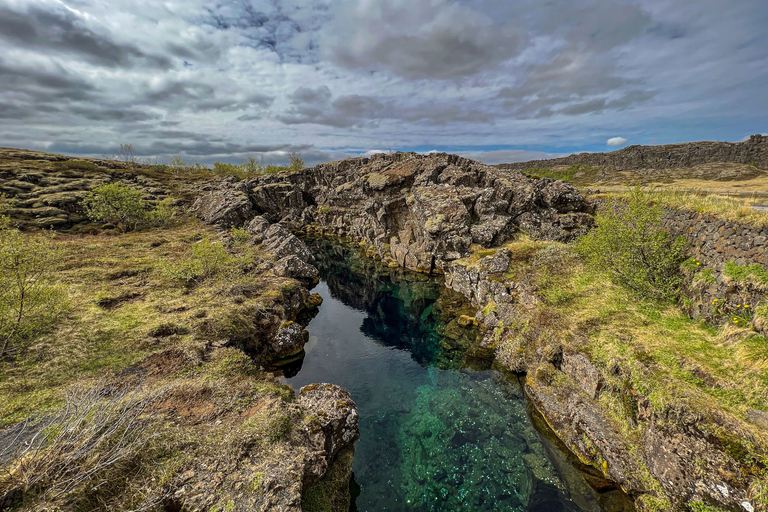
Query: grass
[[685, 355], [738, 209], [576, 174], [119, 300], [130, 327], [753, 273]]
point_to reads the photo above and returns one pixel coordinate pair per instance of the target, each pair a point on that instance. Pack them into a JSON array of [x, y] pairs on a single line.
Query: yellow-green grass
[[122, 310], [734, 208]]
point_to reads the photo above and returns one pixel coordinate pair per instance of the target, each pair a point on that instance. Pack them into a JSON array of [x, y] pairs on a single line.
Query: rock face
[[420, 211], [226, 206], [669, 156], [566, 386]]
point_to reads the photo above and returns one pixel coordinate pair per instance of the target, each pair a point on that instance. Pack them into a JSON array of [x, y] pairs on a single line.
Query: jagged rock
[[421, 211], [289, 340], [293, 266], [226, 206], [333, 427], [277, 240], [498, 262], [584, 372]]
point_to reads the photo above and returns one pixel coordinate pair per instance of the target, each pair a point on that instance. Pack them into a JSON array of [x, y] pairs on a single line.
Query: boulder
[[226, 206], [293, 266]]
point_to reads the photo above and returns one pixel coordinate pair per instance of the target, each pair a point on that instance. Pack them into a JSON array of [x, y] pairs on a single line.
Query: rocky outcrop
[[225, 206], [753, 151], [675, 449], [420, 211]]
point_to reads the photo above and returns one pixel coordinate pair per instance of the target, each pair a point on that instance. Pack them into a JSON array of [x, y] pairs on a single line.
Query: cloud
[[419, 39], [616, 141], [53, 28], [203, 77]]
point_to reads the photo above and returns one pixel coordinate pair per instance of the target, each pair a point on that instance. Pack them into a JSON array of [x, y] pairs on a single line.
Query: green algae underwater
[[440, 430]]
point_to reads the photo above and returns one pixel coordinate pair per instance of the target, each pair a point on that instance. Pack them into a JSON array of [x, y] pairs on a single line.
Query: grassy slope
[[130, 327], [715, 373]]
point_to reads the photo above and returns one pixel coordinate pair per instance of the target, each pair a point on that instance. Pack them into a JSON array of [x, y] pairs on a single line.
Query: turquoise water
[[439, 430]]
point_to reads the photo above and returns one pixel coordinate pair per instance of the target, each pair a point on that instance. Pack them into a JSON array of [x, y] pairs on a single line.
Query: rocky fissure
[[427, 213]]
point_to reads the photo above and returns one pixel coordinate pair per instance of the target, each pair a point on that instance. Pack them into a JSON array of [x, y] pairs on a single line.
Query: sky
[[494, 80]]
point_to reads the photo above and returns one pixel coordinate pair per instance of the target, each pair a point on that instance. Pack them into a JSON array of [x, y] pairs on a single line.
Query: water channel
[[440, 430]]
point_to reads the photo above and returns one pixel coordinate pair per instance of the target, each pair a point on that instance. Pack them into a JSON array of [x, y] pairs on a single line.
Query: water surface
[[439, 431]]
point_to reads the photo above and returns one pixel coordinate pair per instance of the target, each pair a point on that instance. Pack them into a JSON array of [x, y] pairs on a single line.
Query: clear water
[[438, 430]]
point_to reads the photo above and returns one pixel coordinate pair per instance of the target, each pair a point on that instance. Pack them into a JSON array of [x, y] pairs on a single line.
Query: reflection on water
[[436, 432]]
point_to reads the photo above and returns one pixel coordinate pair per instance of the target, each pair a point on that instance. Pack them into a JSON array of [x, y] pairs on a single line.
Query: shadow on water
[[439, 430]]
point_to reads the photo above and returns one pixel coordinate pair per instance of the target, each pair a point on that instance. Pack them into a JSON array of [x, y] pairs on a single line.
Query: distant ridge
[[753, 151]]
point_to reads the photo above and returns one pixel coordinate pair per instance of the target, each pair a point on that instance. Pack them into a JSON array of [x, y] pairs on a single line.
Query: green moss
[[746, 273]]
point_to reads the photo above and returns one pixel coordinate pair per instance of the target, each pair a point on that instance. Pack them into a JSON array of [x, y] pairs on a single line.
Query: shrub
[[95, 438], [30, 300], [118, 204], [123, 206], [164, 214], [631, 245]]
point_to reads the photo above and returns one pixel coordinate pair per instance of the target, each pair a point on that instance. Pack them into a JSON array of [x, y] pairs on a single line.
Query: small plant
[[206, 259], [97, 432], [126, 153], [30, 300], [630, 243], [742, 315], [240, 236], [164, 214], [295, 162]]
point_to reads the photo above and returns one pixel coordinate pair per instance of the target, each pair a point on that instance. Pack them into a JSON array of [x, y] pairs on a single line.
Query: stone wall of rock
[[711, 294], [668, 156], [716, 241]]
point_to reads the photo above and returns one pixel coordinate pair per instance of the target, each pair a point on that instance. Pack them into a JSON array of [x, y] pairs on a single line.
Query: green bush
[[118, 204], [30, 300], [123, 206], [206, 259], [631, 245]]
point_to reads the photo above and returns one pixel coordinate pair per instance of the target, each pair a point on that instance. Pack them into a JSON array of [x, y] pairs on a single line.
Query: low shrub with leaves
[[30, 300], [631, 245], [124, 207]]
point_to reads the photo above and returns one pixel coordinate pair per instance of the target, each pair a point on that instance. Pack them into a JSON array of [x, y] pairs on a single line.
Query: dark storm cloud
[[42, 86], [60, 31], [113, 114]]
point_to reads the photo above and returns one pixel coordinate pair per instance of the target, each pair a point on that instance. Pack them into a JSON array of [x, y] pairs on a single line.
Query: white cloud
[[616, 141]]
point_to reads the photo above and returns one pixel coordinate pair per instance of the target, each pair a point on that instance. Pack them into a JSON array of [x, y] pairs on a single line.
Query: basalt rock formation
[[419, 211], [753, 151]]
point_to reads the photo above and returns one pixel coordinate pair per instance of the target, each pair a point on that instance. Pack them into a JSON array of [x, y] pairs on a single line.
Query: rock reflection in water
[[435, 434]]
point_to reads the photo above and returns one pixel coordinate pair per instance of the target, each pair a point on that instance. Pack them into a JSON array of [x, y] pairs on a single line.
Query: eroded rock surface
[[419, 211]]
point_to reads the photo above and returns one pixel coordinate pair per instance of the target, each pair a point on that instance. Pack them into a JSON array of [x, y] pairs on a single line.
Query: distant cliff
[[669, 156]]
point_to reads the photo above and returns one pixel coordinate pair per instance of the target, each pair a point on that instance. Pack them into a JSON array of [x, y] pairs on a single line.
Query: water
[[439, 431]]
